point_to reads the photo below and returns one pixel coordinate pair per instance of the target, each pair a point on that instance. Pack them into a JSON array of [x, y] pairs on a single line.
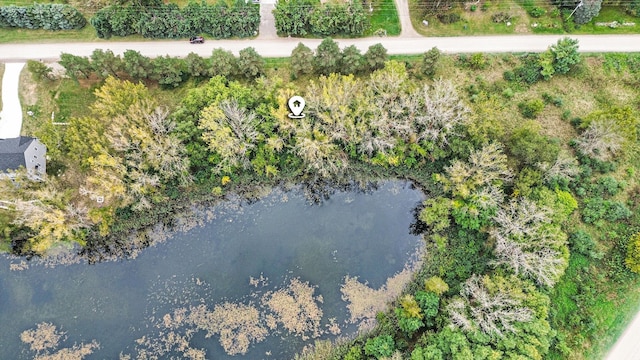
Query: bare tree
[[542, 264], [492, 312], [527, 243], [440, 111], [485, 167], [601, 140], [565, 167], [231, 131]]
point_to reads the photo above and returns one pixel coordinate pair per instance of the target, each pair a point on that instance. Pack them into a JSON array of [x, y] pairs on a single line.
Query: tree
[[492, 311], [39, 70], [301, 60], [76, 66], [602, 140], [380, 347], [587, 11], [138, 67], [528, 243], [436, 285], [565, 55], [231, 132], [529, 147], [429, 63], [328, 58], [475, 186], [292, 17], [223, 63], [409, 315], [106, 63], [439, 111], [168, 71], [197, 66], [250, 63], [633, 253], [352, 60], [375, 57]]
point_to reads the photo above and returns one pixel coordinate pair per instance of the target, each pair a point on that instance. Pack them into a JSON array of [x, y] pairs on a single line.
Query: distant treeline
[[169, 21]]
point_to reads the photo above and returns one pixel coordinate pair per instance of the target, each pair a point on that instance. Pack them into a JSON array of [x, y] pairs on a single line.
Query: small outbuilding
[[26, 152]]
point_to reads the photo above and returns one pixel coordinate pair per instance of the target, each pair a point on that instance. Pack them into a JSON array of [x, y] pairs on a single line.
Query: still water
[[253, 259]]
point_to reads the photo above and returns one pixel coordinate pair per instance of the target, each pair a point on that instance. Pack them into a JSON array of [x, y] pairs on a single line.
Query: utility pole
[[574, 10]]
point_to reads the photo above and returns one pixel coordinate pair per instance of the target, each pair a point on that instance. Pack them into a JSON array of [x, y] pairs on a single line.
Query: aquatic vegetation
[[364, 302], [45, 338], [296, 309], [238, 325]]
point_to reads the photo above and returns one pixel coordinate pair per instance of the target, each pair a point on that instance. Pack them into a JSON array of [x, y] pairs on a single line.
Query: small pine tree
[[301, 60], [375, 57], [328, 57], [430, 62]]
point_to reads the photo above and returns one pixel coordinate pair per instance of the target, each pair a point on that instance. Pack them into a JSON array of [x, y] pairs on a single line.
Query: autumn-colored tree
[[633, 253]]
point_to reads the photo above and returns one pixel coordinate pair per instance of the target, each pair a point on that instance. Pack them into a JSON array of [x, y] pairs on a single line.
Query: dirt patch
[[28, 88]]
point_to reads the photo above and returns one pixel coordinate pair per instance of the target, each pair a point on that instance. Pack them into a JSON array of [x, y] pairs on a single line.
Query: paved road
[[627, 347], [282, 47], [406, 29], [11, 114], [267, 28]]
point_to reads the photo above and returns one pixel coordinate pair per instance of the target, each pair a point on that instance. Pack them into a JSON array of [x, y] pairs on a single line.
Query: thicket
[[42, 16], [159, 20], [310, 17], [523, 230]]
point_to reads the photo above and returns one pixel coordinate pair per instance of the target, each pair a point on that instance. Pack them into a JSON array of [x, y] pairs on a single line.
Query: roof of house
[[12, 152]]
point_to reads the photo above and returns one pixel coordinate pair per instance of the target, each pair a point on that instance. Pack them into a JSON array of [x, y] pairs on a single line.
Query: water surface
[[244, 252]]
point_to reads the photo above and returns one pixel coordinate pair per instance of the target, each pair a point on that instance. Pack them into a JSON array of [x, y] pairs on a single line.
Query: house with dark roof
[[23, 151]]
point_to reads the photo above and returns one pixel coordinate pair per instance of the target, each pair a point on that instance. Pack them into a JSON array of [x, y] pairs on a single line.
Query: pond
[[256, 280]]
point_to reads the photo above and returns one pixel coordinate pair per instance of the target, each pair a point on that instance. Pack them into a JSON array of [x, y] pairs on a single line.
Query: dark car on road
[[196, 40]]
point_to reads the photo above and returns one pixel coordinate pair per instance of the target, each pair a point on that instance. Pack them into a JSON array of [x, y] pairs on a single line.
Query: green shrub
[[477, 61], [354, 353], [38, 69], [448, 18], [508, 93], [553, 100], [500, 17], [436, 285], [529, 71], [596, 209], [633, 8], [530, 109], [380, 346], [536, 12], [633, 253], [582, 243]]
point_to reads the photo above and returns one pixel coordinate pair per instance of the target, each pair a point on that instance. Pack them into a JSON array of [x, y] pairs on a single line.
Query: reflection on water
[[260, 279]]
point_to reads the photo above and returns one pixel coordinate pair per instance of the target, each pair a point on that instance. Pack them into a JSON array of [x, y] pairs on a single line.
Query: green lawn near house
[[384, 16]]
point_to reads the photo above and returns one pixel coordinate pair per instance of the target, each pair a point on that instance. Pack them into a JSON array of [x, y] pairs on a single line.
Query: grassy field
[[609, 15], [384, 16]]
